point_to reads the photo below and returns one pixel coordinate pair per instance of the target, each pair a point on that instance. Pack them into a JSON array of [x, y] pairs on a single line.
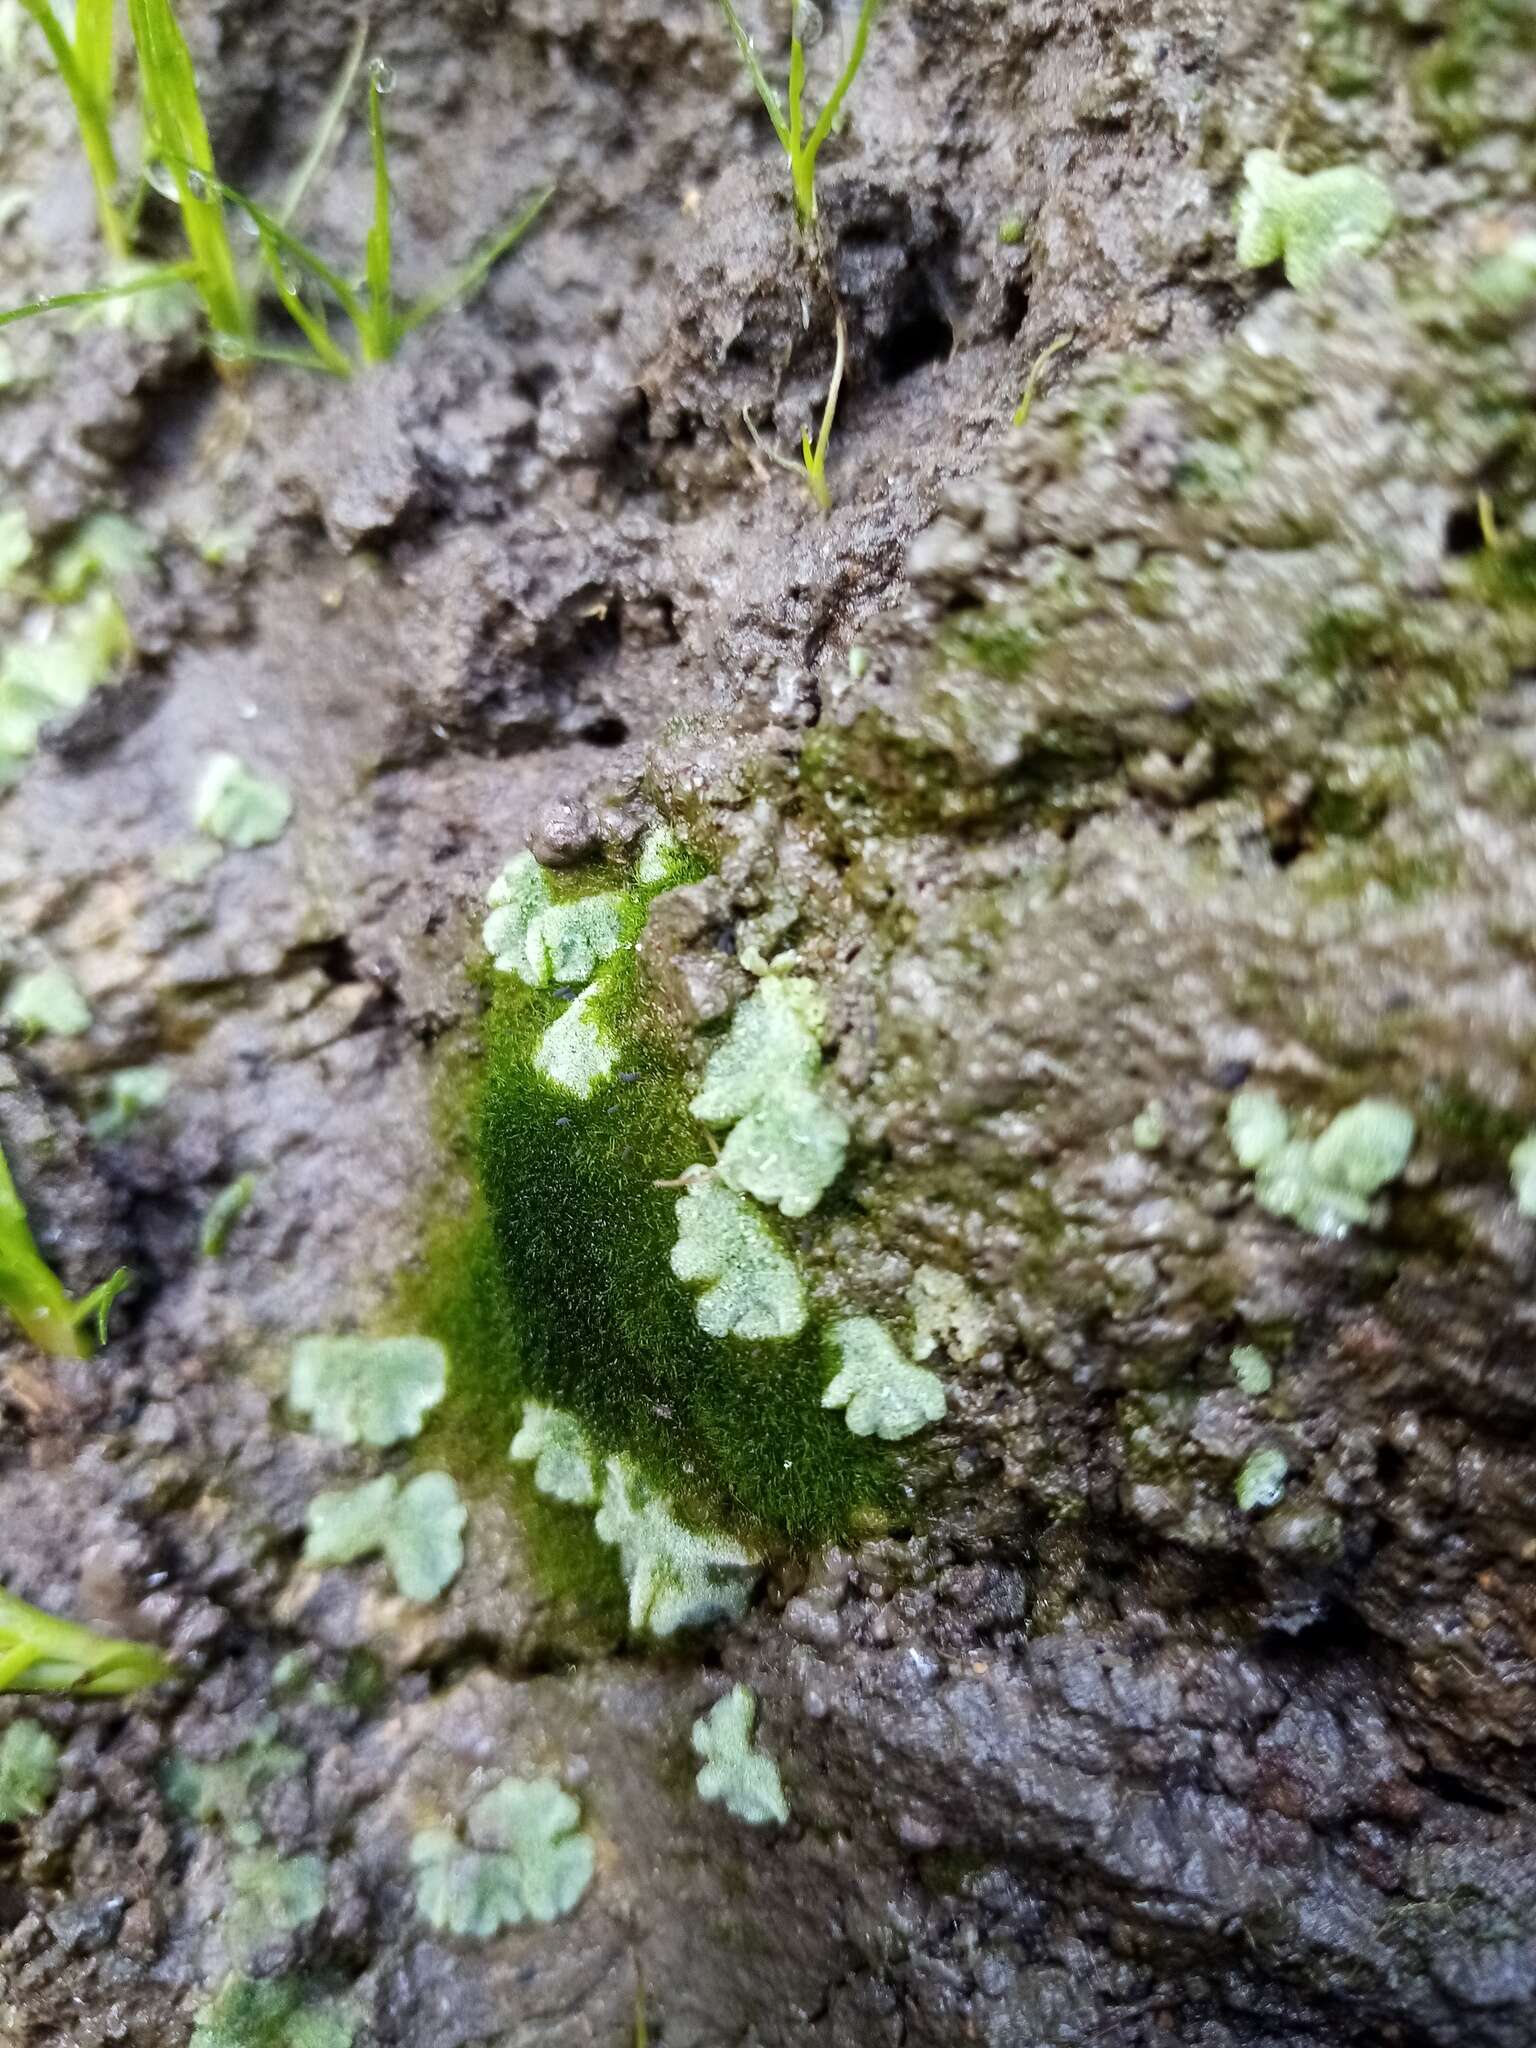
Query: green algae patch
[[561, 1290]]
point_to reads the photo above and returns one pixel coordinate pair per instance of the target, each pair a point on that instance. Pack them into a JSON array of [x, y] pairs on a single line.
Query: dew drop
[[809, 20], [227, 347], [160, 178], [381, 76], [197, 185]]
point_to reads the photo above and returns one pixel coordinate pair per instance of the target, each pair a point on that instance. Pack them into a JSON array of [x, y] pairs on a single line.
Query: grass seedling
[[84, 62], [178, 136], [40, 1653], [31, 1291], [800, 147], [1032, 381]]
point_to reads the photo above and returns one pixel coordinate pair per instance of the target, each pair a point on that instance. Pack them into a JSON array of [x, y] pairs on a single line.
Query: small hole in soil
[[1464, 532], [1457, 1791], [607, 731], [919, 334]]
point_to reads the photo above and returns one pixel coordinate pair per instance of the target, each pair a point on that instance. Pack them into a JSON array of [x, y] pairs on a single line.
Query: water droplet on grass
[[381, 76]]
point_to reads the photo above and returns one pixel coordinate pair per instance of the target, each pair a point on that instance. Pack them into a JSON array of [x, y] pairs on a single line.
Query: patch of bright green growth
[[369, 1390], [132, 1094], [752, 1288], [226, 1792], [526, 1859], [1325, 1184], [1461, 82], [271, 1895], [677, 1577], [40, 1653], [553, 1443], [735, 1772], [47, 1003], [802, 146], [419, 1529], [223, 1213], [177, 134], [238, 808], [46, 679], [1309, 223], [883, 1394], [30, 1290], [787, 1152], [1504, 284], [84, 62], [1251, 1369], [581, 1309], [275, 2012], [29, 1772], [1261, 1483], [1010, 232]]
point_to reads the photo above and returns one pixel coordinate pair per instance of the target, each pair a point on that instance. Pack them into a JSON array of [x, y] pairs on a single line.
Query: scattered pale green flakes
[[1504, 284], [555, 1444], [132, 1094], [884, 1394], [49, 678], [518, 895], [738, 1775], [1257, 1127], [1365, 1147], [1325, 1185], [1308, 223], [227, 1791], [774, 1040], [105, 547], [46, 1004], [371, 1390], [1522, 1174], [946, 1315], [1149, 1128], [272, 2012], [15, 543], [752, 1288], [568, 942], [1261, 1483], [787, 1152], [661, 854], [526, 1859], [677, 1577], [577, 1052], [238, 808], [223, 1213], [271, 1895], [419, 1529], [1251, 1369], [29, 1771]]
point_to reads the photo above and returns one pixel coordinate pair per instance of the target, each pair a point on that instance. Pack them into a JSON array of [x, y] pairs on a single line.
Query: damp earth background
[[1191, 745]]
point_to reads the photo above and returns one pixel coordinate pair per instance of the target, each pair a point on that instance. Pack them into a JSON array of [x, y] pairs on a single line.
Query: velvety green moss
[[558, 1288]]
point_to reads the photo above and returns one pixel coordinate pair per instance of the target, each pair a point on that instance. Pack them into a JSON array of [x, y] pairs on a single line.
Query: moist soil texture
[[1179, 741]]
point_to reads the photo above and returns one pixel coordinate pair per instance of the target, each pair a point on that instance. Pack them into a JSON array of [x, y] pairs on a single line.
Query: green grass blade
[[381, 334], [765, 91], [151, 281], [474, 273], [90, 118], [310, 325], [29, 1288], [94, 49], [326, 132], [40, 1653], [181, 134], [830, 111], [270, 228]]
